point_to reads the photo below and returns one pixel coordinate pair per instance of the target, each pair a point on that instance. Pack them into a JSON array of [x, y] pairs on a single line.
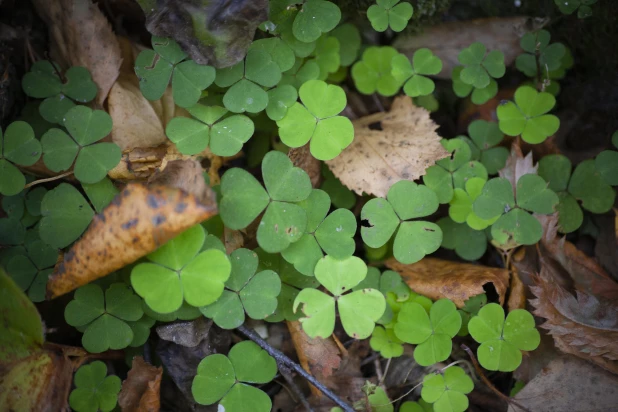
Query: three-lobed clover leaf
[[582, 6], [469, 244], [471, 308], [101, 193], [155, 68], [181, 270], [606, 163], [484, 140], [316, 17], [386, 342], [413, 75], [350, 38], [461, 209], [447, 390], [478, 96], [210, 127], [405, 200], [480, 66], [389, 13], [225, 379], [279, 51], [18, 146], [302, 71], [326, 55], [92, 160], [317, 120], [373, 72], [94, 390], [246, 291], [432, 333], [536, 46], [244, 198], [419, 406], [502, 340], [103, 318], [279, 101], [358, 310], [30, 270], [588, 185]]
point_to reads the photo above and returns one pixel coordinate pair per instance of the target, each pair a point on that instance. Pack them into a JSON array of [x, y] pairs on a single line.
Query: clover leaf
[[349, 36], [185, 312], [279, 101], [387, 13], [331, 234], [527, 115], [413, 75], [606, 163], [420, 406], [387, 282], [502, 340], [582, 6], [30, 270], [302, 71], [225, 379], [244, 198], [18, 146], [316, 120], [210, 127], [285, 30], [103, 318], [358, 310], [65, 216], [479, 95], [92, 160], [405, 200], [484, 139], [246, 291], [155, 68], [94, 390], [279, 51], [373, 72], [536, 46], [432, 333], [179, 270], [447, 390], [480, 66], [386, 342], [460, 206], [101, 193], [588, 185], [339, 194], [468, 243], [326, 55], [471, 308], [316, 17]]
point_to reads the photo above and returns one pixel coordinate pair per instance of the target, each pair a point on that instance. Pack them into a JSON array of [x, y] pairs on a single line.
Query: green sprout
[[502, 340], [373, 72], [246, 291], [582, 6], [447, 390], [432, 333], [413, 75], [316, 17], [527, 116], [43, 82], [302, 71], [539, 53], [180, 270], [244, 199], [405, 200], [155, 68], [331, 234], [316, 120], [471, 308], [358, 310], [340, 195], [94, 390], [386, 342], [484, 140], [18, 146], [210, 127], [469, 244], [460, 207], [92, 160], [479, 96], [225, 379], [349, 36], [479, 66], [103, 318], [31, 270], [387, 13]]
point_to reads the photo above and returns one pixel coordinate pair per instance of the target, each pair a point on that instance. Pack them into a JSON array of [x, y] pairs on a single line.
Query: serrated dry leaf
[[140, 391], [139, 220], [517, 165], [437, 279], [406, 146], [80, 35]]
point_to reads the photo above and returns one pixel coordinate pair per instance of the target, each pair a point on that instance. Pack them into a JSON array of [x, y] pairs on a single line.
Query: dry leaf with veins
[[140, 391], [377, 159]]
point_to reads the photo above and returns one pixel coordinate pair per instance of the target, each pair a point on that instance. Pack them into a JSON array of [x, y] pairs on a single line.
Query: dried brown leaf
[[517, 165], [186, 175], [80, 35], [517, 292], [437, 279], [139, 220], [301, 157], [406, 146], [140, 391]]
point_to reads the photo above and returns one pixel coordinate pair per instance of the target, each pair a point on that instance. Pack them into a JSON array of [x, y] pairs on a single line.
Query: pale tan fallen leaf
[[140, 391], [139, 220], [301, 157], [80, 35], [438, 279], [406, 146]]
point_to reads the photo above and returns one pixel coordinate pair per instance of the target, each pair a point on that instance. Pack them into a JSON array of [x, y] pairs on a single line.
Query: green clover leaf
[[420, 406], [606, 163], [480, 65], [471, 308], [94, 390], [386, 342], [285, 29], [373, 72], [279, 51], [302, 71], [224, 379], [432, 333], [484, 139], [424, 63], [210, 127], [502, 340], [155, 68], [582, 6], [461, 209], [387, 13], [185, 312], [587, 184], [537, 44], [479, 96], [349, 36], [316, 17], [468, 243], [30, 270], [316, 120], [101, 193], [326, 55], [279, 101], [447, 391], [18, 146], [141, 330]]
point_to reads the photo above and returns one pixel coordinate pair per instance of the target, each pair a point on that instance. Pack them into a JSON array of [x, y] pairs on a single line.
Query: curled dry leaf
[[301, 157], [437, 279], [186, 175], [377, 159], [517, 293], [139, 220], [75, 43], [140, 391], [517, 165]]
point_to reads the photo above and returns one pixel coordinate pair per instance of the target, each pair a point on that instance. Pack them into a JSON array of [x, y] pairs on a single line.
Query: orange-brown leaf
[[517, 294], [140, 391]]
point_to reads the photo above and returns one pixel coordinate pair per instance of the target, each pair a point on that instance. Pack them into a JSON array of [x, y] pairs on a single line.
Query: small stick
[[60, 76], [49, 179]]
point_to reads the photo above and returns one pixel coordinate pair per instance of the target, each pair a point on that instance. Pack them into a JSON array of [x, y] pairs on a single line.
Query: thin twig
[[286, 372], [49, 179], [388, 364], [488, 382], [282, 359], [60, 76]]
